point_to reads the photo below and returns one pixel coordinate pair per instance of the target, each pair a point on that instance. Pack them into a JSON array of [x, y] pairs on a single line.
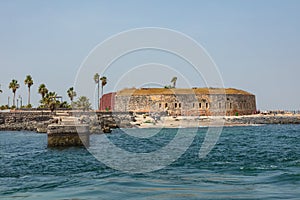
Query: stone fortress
[[181, 101]]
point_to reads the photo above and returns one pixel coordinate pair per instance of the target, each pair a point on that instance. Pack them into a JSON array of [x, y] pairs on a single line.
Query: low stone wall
[[23, 120]]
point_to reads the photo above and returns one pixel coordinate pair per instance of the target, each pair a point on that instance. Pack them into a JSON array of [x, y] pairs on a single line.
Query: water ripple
[[260, 162]]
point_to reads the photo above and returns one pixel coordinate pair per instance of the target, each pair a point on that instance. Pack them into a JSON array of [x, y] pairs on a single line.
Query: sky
[[254, 44]]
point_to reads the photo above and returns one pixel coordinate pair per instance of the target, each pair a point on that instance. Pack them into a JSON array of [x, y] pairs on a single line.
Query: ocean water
[[261, 162]]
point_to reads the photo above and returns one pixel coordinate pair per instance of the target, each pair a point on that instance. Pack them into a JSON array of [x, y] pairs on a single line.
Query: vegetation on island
[[97, 80], [71, 93], [173, 82], [50, 99], [42, 90], [103, 80], [83, 103], [14, 85], [174, 79], [29, 82]]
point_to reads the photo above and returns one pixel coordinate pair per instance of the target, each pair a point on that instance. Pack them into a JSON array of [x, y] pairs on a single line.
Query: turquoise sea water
[[260, 162]]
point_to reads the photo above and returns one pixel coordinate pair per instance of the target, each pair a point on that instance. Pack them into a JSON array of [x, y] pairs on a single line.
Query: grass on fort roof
[[153, 91]]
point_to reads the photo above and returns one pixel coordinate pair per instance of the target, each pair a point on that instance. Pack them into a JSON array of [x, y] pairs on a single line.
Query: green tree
[[83, 103], [174, 79], [64, 104], [42, 90], [49, 101], [97, 81], [14, 85], [71, 93], [29, 82]]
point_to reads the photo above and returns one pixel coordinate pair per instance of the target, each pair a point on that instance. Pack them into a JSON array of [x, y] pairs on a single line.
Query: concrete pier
[[68, 134]]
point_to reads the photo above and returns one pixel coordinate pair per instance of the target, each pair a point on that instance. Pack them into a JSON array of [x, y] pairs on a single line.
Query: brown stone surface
[[166, 91], [188, 102]]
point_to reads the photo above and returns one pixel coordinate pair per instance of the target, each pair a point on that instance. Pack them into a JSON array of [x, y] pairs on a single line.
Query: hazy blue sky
[[255, 44]]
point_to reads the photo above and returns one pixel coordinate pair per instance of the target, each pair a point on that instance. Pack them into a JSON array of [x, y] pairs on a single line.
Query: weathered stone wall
[[240, 104], [188, 104], [22, 120]]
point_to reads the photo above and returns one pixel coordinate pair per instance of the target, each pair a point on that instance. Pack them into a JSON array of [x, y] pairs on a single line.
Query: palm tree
[[174, 79], [71, 93], [97, 81], [29, 82], [52, 96], [49, 100], [43, 90], [52, 103], [14, 85], [103, 83]]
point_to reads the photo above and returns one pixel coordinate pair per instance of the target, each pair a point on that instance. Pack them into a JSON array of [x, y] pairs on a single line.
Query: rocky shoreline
[[191, 121], [99, 122], [264, 119], [39, 120]]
